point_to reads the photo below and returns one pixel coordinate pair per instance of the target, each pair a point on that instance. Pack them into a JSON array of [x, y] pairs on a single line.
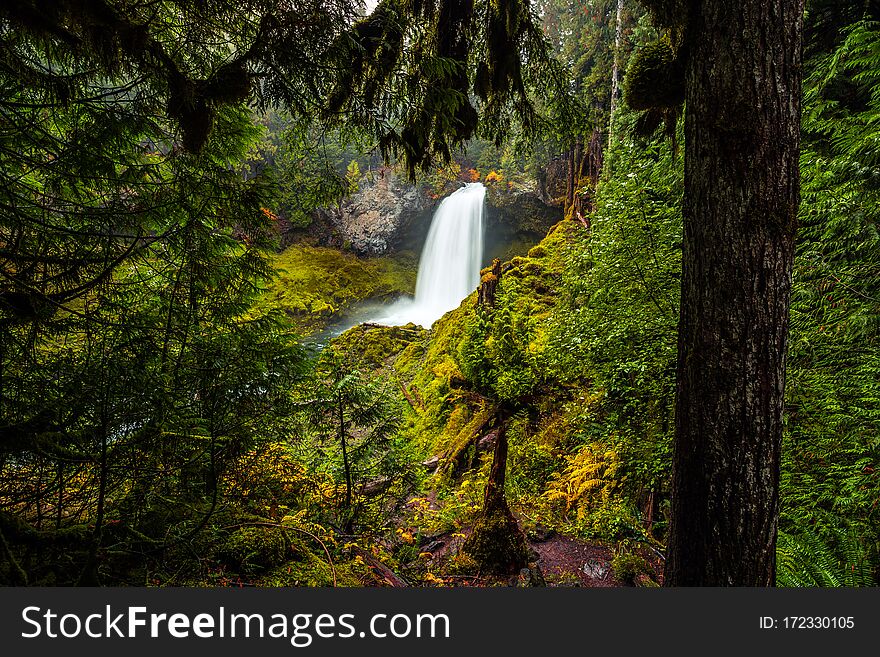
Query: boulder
[[376, 486], [553, 182], [530, 577], [487, 442]]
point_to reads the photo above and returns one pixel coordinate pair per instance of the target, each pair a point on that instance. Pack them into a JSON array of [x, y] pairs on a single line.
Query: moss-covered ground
[[452, 378], [316, 284], [450, 381]]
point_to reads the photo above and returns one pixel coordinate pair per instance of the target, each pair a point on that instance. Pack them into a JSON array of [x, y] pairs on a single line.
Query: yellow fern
[[590, 478]]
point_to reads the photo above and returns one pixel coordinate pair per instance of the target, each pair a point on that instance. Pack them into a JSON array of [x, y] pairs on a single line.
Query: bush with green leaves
[[615, 328]]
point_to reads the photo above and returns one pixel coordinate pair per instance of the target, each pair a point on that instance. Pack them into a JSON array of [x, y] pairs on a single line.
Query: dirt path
[[565, 561]]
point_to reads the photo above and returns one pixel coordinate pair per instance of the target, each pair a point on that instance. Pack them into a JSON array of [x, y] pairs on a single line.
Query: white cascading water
[[449, 268]]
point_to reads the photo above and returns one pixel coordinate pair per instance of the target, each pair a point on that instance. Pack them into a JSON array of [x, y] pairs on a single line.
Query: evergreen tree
[[741, 194]]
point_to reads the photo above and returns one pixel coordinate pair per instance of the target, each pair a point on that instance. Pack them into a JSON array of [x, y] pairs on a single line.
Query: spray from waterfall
[[449, 268]]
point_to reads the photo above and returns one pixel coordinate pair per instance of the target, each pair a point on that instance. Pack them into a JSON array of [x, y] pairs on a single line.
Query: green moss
[[375, 346], [461, 432], [251, 550], [453, 376], [496, 544], [655, 78], [312, 571], [632, 569], [316, 284], [668, 13], [449, 413], [537, 252]]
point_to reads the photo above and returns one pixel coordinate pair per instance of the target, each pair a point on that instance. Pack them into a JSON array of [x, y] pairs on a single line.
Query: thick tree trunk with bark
[[741, 197]]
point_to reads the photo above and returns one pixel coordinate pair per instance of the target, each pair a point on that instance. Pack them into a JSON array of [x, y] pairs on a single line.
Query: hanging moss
[[667, 13], [655, 78], [231, 83]]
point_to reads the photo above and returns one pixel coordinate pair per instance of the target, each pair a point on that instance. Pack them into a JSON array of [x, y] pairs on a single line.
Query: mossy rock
[[251, 550], [312, 570], [632, 569], [316, 284], [537, 251], [373, 345]]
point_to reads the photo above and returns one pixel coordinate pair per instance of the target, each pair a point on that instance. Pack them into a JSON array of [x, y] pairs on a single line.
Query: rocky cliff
[[387, 214], [376, 218]]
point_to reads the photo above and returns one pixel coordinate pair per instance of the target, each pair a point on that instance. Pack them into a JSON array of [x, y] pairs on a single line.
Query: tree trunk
[[496, 543], [345, 464], [494, 500], [741, 198], [489, 285], [615, 71], [574, 166]]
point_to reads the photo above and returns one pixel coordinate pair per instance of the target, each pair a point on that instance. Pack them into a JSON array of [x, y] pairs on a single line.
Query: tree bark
[[615, 71], [496, 543], [345, 464], [742, 192], [494, 500]]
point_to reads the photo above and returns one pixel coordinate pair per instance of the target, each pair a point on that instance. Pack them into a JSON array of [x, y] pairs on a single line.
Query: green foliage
[[352, 422], [160, 423], [251, 550], [831, 444], [501, 353], [423, 78], [615, 328], [159, 365], [135, 243], [629, 567], [583, 36], [811, 561], [315, 166]]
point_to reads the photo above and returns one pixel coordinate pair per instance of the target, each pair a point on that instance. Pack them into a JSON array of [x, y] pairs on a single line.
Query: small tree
[[500, 374], [354, 419]]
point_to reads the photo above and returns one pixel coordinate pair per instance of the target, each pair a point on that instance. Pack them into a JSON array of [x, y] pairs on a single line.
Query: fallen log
[[380, 568]]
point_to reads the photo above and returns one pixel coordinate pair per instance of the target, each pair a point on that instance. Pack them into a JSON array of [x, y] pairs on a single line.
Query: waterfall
[[449, 268]]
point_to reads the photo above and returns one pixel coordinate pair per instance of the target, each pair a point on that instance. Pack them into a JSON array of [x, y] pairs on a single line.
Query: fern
[[805, 560]]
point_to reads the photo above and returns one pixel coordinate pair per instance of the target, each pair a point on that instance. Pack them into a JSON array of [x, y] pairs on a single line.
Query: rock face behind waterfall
[[521, 211], [389, 214], [376, 218]]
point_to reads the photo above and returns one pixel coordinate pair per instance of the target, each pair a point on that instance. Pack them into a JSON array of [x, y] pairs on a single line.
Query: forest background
[[168, 415]]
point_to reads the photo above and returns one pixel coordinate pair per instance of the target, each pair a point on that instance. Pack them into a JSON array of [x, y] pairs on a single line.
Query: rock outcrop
[[376, 218], [387, 214], [521, 210], [516, 219]]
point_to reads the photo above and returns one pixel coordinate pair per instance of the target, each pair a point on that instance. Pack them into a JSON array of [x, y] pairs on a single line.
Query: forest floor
[[563, 561], [566, 561]]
